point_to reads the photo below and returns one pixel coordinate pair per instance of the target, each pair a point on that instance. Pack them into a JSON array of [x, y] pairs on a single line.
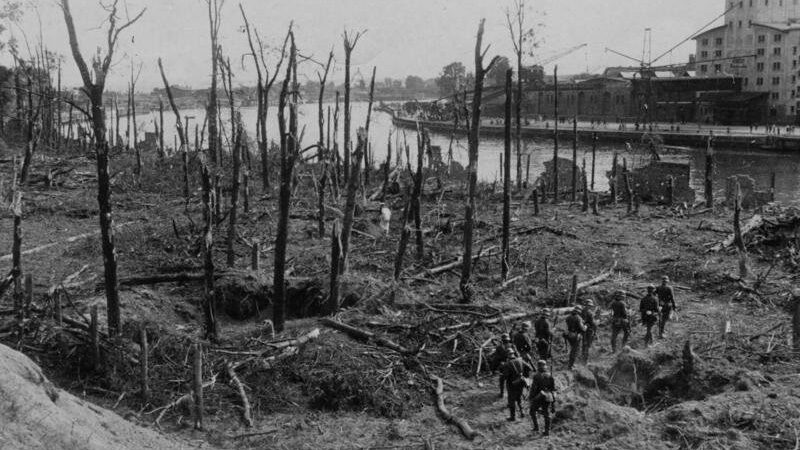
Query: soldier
[[619, 320], [515, 372], [543, 335], [666, 299], [575, 330], [523, 342], [591, 328], [501, 355], [543, 397], [648, 308]]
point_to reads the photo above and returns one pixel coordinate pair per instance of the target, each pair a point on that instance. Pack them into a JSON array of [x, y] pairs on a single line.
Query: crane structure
[[560, 55]]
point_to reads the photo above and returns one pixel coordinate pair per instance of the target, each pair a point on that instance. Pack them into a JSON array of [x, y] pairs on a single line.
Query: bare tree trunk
[[585, 206], [136, 148], [289, 151], [738, 240], [594, 156], [162, 152], [16, 249], [349, 44], [709, 178], [336, 256], [182, 134], [465, 284], [350, 205], [555, 137], [323, 151], [337, 163], [387, 167], [574, 159], [209, 312], [504, 263], [405, 234], [416, 203], [614, 180], [235, 186], [368, 147]]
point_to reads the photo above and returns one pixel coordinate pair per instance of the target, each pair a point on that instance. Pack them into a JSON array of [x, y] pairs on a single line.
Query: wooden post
[[95, 337], [670, 190], [637, 203], [585, 206], [594, 156], [405, 234], [628, 192], [709, 177], [336, 255], [555, 137], [255, 256], [547, 272], [535, 194], [614, 179], [772, 187], [505, 266], [575, 159], [528, 171], [198, 386], [688, 359], [594, 205], [143, 363], [737, 233]]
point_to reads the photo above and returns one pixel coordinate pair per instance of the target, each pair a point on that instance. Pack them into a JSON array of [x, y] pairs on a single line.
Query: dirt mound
[[37, 415]]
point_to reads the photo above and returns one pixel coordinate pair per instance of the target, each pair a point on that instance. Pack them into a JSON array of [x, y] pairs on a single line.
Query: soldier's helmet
[[505, 337], [512, 353], [619, 295], [665, 278], [651, 288], [545, 312], [588, 303], [541, 364], [577, 309], [526, 325]]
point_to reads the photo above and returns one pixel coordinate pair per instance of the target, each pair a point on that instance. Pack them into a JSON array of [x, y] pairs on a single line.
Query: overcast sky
[[404, 37]]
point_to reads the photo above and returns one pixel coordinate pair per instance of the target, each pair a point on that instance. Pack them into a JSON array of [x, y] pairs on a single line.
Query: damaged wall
[[751, 197], [650, 182]]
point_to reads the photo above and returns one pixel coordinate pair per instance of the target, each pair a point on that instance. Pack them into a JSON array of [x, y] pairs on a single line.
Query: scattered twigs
[[185, 399], [69, 240], [480, 356], [598, 279], [753, 223], [457, 263], [247, 415], [462, 424]]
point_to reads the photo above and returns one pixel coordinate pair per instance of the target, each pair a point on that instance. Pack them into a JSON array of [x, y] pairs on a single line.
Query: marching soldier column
[[513, 356]]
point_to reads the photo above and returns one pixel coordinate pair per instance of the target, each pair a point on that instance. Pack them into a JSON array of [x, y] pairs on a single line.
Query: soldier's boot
[[535, 422], [512, 408], [521, 410], [546, 425]]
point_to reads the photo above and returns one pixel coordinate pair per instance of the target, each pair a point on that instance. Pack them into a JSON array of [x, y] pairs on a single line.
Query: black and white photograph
[[399, 224]]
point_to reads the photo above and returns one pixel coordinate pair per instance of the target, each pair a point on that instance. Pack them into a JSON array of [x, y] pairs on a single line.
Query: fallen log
[[598, 279], [754, 222], [69, 240], [247, 415], [367, 336], [187, 398], [505, 285], [448, 417], [458, 262]]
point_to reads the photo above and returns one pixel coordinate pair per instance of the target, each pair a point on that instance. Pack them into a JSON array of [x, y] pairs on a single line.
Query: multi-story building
[[759, 43]]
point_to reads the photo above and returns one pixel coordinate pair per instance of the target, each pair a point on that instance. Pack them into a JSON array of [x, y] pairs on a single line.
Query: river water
[[759, 164]]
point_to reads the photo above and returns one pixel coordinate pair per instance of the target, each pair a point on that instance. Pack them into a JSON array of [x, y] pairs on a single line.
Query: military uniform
[[523, 342], [575, 330], [620, 321], [542, 397], [515, 372], [648, 308], [544, 337], [502, 354], [666, 299]]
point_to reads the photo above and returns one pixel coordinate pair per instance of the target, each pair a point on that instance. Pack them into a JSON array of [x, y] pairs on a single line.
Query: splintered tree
[[289, 152], [472, 170], [323, 150], [264, 85], [505, 266], [350, 41], [367, 156], [181, 132], [94, 87]]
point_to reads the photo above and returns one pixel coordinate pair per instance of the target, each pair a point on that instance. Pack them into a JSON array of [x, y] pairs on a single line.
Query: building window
[[704, 41], [794, 64], [776, 81], [794, 50], [717, 68], [718, 41], [718, 54], [703, 68], [762, 38], [704, 54], [746, 81], [760, 52], [777, 38], [760, 67], [776, 51], [792, 109], [776, 65], [776, 96], [759, 81]]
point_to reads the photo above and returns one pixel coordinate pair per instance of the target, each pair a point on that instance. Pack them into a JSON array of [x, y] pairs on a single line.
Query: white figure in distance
[[386, 218]]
